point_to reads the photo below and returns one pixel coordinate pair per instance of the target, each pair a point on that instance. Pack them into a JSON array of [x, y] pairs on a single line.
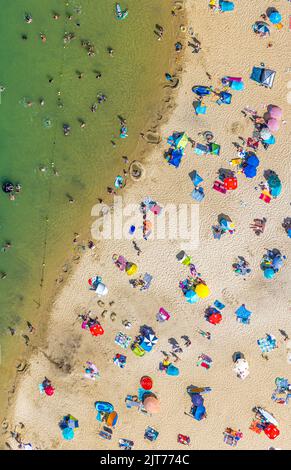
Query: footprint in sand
[[229, 297], [237, 128]]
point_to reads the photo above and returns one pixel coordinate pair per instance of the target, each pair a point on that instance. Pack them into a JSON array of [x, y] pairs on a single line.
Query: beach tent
[[263, 76]]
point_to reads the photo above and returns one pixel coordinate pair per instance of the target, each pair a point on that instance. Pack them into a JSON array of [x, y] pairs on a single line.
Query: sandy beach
[[228, 47]]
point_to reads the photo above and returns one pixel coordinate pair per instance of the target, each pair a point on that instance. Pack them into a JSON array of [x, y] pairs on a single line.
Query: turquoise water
[[40, 222]]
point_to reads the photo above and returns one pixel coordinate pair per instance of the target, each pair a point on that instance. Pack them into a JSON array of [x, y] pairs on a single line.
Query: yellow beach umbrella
[[131, 269], [202, 290]]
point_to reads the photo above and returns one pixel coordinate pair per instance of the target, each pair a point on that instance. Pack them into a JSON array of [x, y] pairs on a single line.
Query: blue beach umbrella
[[250, 171], [269, 273], [68, 434], [275, 17], [172, 370], [253, 160], [261, 28], [277, 262], [191, 297]]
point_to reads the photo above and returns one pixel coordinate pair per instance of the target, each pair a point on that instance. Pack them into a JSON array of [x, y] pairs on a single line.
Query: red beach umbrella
[[215, 318], [230, 183], [49, 390], [96, 330], [146, 382], [271, 431]]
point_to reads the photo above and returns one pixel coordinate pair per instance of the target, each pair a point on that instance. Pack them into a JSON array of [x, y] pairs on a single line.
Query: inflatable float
[[119, 13]]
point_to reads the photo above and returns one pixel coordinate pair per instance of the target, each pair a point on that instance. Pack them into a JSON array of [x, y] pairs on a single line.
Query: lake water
[[40, 222]]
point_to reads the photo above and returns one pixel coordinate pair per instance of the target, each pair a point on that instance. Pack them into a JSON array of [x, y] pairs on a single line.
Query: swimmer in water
[[41, 102], [28, 18], [110, 51], [56, 16], [98, 75], [43, 37], [24, 37]]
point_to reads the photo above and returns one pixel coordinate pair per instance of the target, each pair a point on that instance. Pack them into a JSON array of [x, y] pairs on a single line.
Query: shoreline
[[159, 259], [160, 116]]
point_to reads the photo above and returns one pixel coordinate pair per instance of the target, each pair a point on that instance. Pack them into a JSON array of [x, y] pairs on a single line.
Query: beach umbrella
[[112, 418], [197, 399], [215, 318], [273, 125], [148, 342], [172, 370], [271, 140], [226, 224], [271, 431], [68, 434], [274, 184], [96, 330], [261, 28], [49, 390], [151, 404], [250, 171], [253, 160], [146, 382], [191, 297], [275, 112], [202, 290], [101, 289], [269, 273], [131, 268], [277, 262], [265, 133], [275, 17]]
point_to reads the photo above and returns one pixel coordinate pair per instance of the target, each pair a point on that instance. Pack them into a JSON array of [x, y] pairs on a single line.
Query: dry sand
[[229, 47]]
